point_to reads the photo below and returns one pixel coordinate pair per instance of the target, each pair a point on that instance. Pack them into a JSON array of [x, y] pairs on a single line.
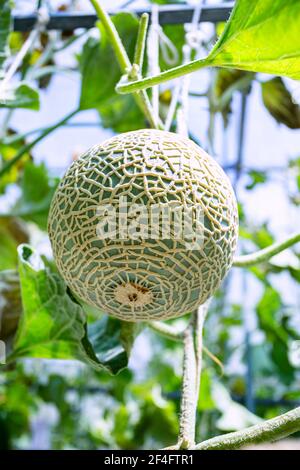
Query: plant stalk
[[165, 330], [267, 253], [269, 431], [188, 395], [113, 35], [142, 99], [192, 366], [31, 144], [124, 87], [28, 44], [172, 333]]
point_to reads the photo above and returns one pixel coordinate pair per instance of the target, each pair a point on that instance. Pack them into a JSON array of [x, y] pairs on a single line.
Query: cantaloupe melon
[[146, 277]]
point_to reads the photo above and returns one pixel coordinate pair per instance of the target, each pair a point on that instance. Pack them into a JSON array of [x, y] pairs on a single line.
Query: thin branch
[[113, 35], [198, 339], [168, 331], [269, 431], [42, 19], [266, 253], [188, 396], [124, 86], [174, 334], [192, 366], [29, 146]]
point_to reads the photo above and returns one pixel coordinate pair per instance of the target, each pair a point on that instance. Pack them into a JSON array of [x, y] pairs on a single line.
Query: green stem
[[124, 87], [266, 253], [144, 103], [269, 431], [188, 403], [29, 146], [172, 333], [124, 62], [141, 41], [192, 367], [199, 318], [165, 330], [114, 37]]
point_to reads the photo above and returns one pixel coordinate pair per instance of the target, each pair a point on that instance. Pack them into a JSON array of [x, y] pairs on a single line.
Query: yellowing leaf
[[278, 101]]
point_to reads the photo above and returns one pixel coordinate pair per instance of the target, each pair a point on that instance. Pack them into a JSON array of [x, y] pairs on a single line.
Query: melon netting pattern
[[147, 167]]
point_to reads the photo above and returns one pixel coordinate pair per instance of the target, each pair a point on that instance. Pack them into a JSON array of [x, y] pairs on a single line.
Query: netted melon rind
[[146, 166]]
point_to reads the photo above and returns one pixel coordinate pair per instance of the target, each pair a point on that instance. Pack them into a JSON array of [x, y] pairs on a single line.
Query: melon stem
[[141, 98], [267, 253], [192, 366]]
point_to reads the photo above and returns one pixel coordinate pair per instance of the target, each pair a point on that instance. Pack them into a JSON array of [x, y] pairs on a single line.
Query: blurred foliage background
[[250, 123]]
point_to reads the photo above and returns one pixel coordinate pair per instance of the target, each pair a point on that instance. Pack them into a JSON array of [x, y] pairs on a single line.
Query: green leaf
[[257, 177], [278, 101], [268, 310], [99, 68], [121, 115], [111, 341], [158, 417], [8, 150], [5, 27], [100, 74], [37, 191], [97, 72], [261, 36], [20, 96], [53, 324]]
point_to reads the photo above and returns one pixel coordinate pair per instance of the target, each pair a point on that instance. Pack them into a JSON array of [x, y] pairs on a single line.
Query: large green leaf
[[261, 36], [20, 96], [53, 324], [111, 341], [5, 26]]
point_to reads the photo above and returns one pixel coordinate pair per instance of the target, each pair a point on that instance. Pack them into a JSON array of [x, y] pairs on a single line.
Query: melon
[[127, 263]]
